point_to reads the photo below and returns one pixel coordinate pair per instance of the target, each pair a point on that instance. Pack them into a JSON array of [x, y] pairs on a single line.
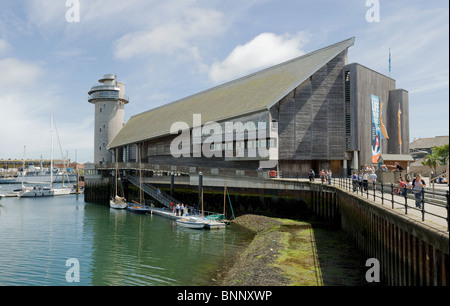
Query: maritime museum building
[[315, 111]]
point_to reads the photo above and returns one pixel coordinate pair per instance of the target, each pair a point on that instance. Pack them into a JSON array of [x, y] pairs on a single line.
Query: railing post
[[406, 200], [382, 193], [423, 204], [392, 195], [374, 189], [448, 215]]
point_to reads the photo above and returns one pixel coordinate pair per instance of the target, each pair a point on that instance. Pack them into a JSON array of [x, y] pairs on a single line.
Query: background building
[[316, 111]]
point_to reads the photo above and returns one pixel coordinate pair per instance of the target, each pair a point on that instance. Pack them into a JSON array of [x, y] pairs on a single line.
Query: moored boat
[[118, 203], [138, 208], [191, 222]]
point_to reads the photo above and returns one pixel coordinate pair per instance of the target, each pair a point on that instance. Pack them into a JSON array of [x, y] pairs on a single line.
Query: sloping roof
[[428, 143], [253, 93], [396, 157]]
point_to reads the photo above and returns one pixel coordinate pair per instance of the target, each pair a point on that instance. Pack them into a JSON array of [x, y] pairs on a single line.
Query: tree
[[442, 152], [432, 160]]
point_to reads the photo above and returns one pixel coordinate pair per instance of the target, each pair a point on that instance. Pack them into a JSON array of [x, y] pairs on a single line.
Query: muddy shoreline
[[287, 252]]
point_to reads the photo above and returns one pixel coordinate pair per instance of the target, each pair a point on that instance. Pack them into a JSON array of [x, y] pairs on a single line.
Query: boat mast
[[51, 161], [140, 176], [224, 194], [23, 167], [116, 172]]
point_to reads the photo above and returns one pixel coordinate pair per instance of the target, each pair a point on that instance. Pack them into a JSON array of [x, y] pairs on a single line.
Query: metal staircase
[[152, 191]]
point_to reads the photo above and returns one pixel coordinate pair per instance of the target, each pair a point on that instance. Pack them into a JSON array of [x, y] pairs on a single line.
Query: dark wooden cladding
[[310, 118]]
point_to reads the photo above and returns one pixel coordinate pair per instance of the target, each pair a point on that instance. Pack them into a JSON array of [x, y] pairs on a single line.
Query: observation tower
[[109, 99]]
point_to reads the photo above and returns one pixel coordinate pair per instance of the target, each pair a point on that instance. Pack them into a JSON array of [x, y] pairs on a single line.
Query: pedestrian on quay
[[354, 181], [322, 176], [360, 180], [329, 175], [418, 187], [365, 179], [311, 175], [373, 178]]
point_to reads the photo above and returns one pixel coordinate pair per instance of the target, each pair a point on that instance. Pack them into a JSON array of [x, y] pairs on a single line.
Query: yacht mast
[[51, 161]]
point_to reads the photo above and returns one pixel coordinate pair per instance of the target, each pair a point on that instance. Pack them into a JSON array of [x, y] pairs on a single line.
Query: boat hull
[[189, 223], [44, 192], [117, 205], [138, 209]]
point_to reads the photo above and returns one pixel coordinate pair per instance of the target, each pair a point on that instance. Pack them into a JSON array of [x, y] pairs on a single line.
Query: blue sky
[[167, 50]]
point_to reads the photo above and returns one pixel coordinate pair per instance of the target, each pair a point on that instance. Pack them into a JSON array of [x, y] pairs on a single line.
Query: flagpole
[[389, 62]]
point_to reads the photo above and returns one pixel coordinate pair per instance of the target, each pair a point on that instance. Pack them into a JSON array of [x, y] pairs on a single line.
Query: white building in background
[[109, 99]]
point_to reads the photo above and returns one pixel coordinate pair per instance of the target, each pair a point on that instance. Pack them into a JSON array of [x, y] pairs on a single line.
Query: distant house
[[419, 148], [422, 146]]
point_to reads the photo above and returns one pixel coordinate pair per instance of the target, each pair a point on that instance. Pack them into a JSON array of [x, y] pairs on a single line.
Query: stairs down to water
[[152, 191]]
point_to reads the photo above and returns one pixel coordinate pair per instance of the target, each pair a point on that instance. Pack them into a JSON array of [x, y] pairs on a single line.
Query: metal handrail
[[390, 193]]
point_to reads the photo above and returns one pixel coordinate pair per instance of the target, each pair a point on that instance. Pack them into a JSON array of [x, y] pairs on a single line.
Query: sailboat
[[40, 191], [117, 202], [139, 207]]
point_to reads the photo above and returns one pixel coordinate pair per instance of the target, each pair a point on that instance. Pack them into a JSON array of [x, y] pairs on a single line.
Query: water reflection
[[114, 247]]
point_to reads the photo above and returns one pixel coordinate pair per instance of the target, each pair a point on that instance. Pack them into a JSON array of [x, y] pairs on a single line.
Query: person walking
[[322, 176], [360, 186], [365, 179], [354, 181], [311, 175], [329, 175], [418, 185], [373, 178]]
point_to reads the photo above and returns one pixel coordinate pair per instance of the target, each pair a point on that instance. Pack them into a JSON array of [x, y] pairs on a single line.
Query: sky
[[53, 51]]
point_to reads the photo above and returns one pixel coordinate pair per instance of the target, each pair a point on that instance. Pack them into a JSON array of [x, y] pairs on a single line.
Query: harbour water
[[41, 238]]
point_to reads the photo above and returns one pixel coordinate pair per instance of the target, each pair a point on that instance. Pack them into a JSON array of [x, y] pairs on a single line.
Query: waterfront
[[113, 247]]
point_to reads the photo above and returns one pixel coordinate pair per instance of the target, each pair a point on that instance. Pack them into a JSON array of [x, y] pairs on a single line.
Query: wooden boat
[[191, 222], [118, 203], [138, 208]]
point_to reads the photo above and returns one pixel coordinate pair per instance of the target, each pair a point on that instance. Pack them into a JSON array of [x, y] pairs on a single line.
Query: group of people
[[415, 186], [179, 209], [326, 176], [361, 180]]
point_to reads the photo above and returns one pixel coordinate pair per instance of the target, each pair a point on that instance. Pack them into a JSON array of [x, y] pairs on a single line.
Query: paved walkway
[[435, 214]]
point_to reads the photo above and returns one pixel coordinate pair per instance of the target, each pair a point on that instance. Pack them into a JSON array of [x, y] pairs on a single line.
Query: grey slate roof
[[428, 143], [250, 94]]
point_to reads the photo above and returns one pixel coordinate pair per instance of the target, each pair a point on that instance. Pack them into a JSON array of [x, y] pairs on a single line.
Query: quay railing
[[432, 204]]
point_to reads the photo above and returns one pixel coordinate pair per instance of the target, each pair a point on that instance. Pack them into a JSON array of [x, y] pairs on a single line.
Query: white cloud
[[18, 74], [178, 34], [4, 46], [266, 49]]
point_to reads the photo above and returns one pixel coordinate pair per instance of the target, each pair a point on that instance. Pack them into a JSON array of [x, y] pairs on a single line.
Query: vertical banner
[[376, 129]]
